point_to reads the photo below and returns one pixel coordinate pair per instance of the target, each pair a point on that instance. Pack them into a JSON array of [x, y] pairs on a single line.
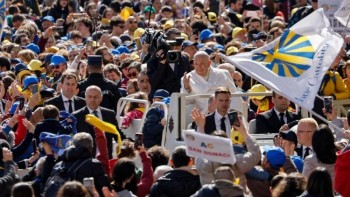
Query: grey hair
[[83, 140], [160, 171], [227, 66], [201, 54], [93, 87]]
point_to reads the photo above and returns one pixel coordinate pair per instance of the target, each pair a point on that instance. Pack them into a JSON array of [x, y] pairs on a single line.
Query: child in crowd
[[155, 120], [134, 110]]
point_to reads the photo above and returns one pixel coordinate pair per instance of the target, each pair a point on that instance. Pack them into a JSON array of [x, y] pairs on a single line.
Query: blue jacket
[[152, 129]]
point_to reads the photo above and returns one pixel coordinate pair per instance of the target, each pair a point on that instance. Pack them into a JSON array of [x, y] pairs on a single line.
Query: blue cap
[[160, 93], [19, 67], [201, 45], [49, 18], [218, 46], [115, 52], [57, 59], [57, 142], [206, 34], [123, 49], [275, 156], [47, 59], [298, 162], [207, 50], [188, 43], [15, 61], [129, 43], [29, 81], [33, 47]]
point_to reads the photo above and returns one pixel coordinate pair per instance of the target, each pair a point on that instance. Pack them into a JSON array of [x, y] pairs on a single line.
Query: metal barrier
[[341, 107], [137, 124]]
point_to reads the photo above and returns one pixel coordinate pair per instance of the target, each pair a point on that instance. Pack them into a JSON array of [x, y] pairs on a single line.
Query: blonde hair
[[26, 55]]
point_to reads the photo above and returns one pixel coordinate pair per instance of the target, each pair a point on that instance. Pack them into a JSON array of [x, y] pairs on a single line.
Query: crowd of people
[[65, 64]]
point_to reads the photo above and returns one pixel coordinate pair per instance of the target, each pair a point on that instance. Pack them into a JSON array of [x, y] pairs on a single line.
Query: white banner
[[330, 8], [212, 148], [294, 64]]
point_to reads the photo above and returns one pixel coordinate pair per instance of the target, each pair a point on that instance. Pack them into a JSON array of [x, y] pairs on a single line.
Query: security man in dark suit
[[218, 120], [67, 101], [93, 97], [109, 89], [272, 120]]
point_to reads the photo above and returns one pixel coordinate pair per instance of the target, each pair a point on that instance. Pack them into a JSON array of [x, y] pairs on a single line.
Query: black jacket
[[108, 116], [109, 90], [162, 76], [176, 183], [9, 178], [58, 102], [269, 122], [92, 168], [51, 126], [152, 129]]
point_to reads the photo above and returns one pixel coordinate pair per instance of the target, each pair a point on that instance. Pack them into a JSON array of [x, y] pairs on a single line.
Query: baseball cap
[[57, 59], [49, 18], [33, 47], [298, 162], [149, 9], [231, 50], [169, 24], [161, 93], [29, 81], [257, 88], [275, 156], [212, 17], [15, 61], [236, 30], [123, 49], [20, 67], [47, 59], [206, 34], [188, 43], [260, 35], [290, 136], [35, 65]]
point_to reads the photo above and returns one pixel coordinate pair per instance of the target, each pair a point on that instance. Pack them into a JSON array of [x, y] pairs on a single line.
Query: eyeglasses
[[134, 74], [133, 22], [55, 66]]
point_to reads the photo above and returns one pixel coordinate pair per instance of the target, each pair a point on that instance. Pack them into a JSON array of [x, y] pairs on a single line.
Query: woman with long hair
[[319, 184], [324, 152]]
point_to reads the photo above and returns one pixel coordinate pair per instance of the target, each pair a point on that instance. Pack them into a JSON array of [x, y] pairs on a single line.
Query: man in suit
[[305, 130], [272, 120], [109, 89], [219, 119], [67, 101], [93, 97]]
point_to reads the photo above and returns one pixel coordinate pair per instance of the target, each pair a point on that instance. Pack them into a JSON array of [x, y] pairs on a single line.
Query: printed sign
[[213, 148]]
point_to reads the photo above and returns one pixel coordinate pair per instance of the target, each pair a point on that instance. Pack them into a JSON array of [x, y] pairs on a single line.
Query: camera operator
[[166, 66]]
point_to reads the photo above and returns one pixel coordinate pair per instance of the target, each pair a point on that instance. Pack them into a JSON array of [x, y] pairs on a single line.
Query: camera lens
[[173, 56]]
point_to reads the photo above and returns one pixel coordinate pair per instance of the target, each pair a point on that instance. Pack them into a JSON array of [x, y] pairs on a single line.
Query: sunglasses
[[132, 74], [55, 66]]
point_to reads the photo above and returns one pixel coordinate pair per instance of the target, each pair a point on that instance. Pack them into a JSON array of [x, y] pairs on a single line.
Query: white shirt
[[310, 151], [217, 118], [284, 117], [66, 103]]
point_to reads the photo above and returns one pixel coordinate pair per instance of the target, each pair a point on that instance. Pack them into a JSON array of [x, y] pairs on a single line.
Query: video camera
[[157, 41]]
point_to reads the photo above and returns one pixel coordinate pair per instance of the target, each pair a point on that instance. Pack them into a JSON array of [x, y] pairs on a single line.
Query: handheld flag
[[104, 126], [294, 64]]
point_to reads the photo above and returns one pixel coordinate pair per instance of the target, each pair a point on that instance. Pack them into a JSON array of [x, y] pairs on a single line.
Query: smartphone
[[21, 103], [138, 140], [58, 29], [328, 103], [77, 15], [234, 119], [89, 45], [43, 76], [89, 183], [35, 147], [34, 88], [28, 114]]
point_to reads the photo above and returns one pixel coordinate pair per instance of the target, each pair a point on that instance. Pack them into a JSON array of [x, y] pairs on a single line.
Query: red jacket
[[342, 174], [145, 184], [101, 144], [134, 114], [21, 131]]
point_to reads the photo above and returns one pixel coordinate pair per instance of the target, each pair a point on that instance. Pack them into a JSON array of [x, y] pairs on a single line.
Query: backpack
[[61, 175]]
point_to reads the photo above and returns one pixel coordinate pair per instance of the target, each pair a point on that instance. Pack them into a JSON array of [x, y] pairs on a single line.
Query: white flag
[[294, 64], [343, 13]]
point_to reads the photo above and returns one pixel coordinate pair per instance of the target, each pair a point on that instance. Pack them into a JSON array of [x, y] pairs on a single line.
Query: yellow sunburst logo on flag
[[291, 56]]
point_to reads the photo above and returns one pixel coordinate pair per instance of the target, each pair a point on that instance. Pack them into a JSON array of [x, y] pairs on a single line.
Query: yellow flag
[[126, 12]]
